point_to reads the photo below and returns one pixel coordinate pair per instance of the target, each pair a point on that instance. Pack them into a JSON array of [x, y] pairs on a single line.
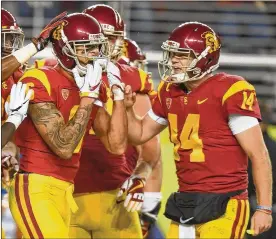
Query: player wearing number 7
[[213, 123], [65, 102]]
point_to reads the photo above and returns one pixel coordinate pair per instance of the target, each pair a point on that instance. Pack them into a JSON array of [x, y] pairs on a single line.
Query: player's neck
[[191, 85], [67, 74]]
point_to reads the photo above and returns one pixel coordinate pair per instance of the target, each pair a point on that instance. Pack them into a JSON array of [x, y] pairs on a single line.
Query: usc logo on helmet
[[4, 85], [57, 32], [211, 41]]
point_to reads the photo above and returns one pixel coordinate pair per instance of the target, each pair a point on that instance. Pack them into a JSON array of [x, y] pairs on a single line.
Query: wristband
[[259, 207], [90, 94], [151, 200], [15, 119], [24, 54], [99, 103], [118, 94]]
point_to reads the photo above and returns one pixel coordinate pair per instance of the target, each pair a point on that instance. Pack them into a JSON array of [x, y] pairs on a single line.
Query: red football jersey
[[96, 162], [6, 90], [207, 155], [149, 89], [45, 62], [123, 61], [49, 85]]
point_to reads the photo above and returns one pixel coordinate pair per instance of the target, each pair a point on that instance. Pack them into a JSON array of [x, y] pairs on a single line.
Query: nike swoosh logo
[[140, 185], [187, 220], [199, 102]]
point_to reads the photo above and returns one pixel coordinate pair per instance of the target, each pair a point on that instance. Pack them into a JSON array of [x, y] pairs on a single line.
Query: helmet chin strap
[[181, 77], [81, 69]]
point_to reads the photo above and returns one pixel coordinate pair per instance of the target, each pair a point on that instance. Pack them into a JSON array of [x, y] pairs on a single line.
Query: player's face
[[86, 53], [180, 62]]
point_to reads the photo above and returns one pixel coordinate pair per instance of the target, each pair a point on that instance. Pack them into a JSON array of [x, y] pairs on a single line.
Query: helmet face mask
[[80, 51], [12, 41], [115, 45], [197, 48], [181, 71], [12, 36]]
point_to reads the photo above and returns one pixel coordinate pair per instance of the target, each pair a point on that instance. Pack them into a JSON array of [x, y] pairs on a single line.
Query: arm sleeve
[[147, 85], [157, 112], [239, 123]]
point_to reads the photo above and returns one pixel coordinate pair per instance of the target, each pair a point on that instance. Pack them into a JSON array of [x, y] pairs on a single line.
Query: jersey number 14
[[188, 138]]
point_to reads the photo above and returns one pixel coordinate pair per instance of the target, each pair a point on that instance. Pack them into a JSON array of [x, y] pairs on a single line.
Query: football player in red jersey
[[108, 218], [14, 55], [67, 99], [213, 124]]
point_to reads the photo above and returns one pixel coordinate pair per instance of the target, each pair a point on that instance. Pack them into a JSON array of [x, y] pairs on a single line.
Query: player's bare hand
[[10, 149], [9, 163], [10, 157], [42, 40], [260, 222], [130, 97]]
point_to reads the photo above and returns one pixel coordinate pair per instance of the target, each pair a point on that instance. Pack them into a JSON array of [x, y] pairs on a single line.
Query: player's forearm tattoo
[[63, 137]]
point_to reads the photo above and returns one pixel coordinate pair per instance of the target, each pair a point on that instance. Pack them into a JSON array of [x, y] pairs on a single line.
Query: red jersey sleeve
[[140, 81], [146, 86], [240, 98], [18, 74], [38, 81], [45, 62], [157, 106], [103, 93]]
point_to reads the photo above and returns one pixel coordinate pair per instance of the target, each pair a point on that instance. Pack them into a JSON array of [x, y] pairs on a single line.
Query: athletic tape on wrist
[[118, 94], [15, 119], [25, 53]]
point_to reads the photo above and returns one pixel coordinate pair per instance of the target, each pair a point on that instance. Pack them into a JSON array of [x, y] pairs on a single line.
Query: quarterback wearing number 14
[[213, 121]]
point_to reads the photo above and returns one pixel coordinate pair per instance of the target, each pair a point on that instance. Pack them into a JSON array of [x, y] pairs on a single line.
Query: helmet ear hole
[[208, 61], [65, 50]]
